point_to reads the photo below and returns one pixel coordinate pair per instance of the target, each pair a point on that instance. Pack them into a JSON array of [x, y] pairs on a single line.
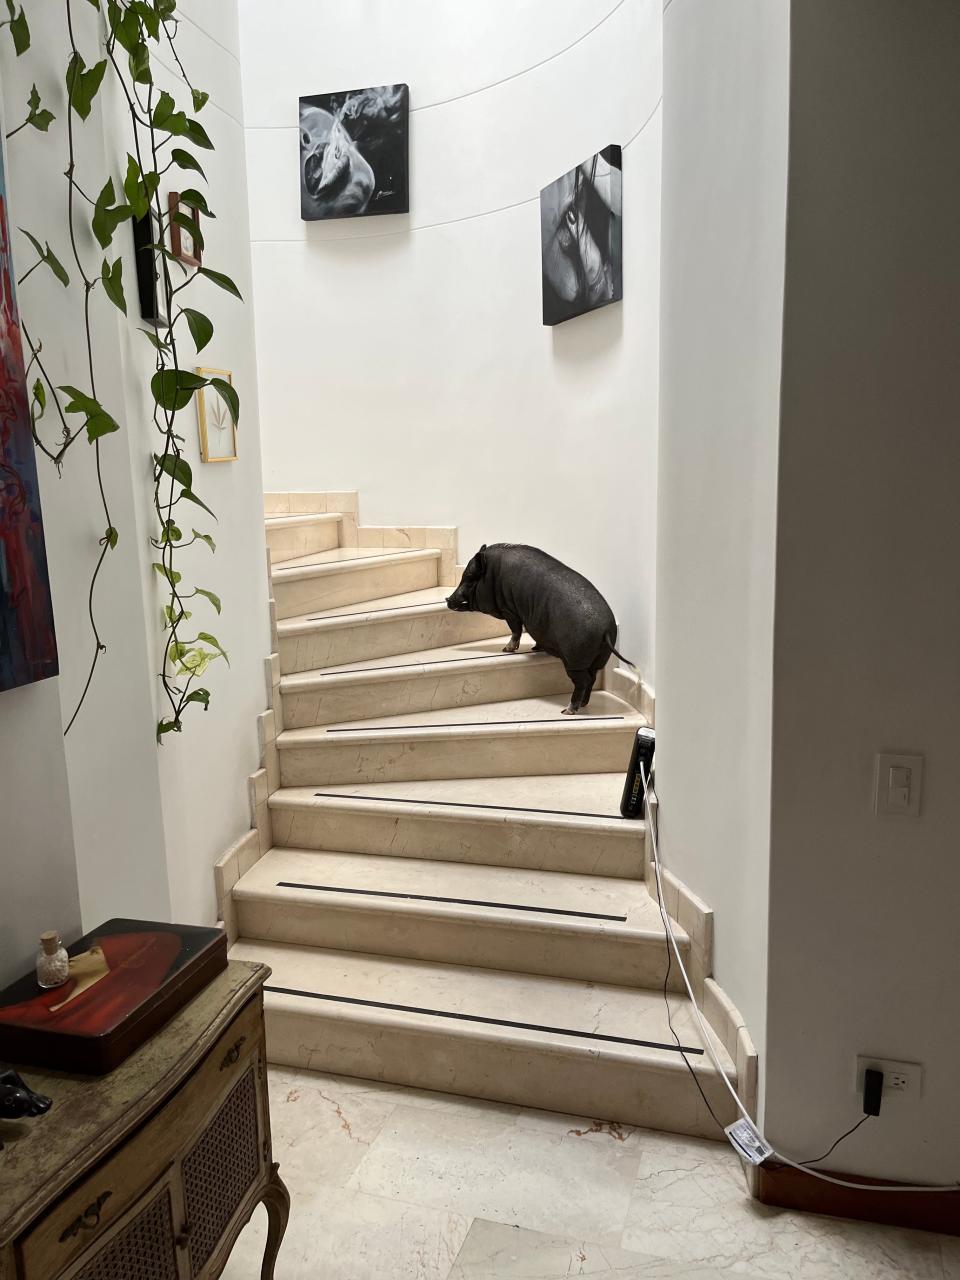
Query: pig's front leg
[[516, 631]]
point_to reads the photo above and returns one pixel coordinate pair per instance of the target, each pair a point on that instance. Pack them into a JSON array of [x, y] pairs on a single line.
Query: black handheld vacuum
[[639, 771]]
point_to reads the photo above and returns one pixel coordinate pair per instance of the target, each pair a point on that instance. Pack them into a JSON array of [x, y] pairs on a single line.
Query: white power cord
[[708, 1042]]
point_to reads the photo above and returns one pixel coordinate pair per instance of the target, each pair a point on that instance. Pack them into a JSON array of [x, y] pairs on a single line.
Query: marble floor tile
[[494, 1251], [690, 1204], [487, 1165], [950, 1250], [340, 1235], [322, 1129]]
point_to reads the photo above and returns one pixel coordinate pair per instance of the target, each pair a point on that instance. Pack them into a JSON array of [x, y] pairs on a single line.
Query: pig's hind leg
[[582, 688]]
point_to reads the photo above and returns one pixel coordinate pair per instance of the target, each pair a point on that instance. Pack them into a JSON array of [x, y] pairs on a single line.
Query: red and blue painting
[[28, 645]]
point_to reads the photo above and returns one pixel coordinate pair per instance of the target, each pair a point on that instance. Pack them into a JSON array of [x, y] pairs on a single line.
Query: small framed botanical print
[[185, 235], [218, 431]]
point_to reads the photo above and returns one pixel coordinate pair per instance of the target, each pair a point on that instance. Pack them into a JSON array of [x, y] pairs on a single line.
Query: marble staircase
[[443, 886]]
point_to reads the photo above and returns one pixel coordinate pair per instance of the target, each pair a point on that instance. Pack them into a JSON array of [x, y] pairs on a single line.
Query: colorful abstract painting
[[28, 646]]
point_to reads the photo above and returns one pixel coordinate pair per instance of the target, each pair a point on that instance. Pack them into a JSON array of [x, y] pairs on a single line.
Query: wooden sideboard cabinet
[[150, 1172]]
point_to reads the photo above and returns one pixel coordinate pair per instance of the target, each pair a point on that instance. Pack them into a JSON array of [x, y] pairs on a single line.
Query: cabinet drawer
[[94, 1204]]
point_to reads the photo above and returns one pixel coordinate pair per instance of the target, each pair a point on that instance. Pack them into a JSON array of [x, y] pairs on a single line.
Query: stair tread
[[294, 520], [339, 558], [540, 1011], [538, 899], [518, 715], [569, 798], [488, 653], [427, 599]]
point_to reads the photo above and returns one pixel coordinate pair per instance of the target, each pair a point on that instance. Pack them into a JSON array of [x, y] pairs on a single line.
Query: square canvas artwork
[[28, 646], [581, 238], [354, 152]]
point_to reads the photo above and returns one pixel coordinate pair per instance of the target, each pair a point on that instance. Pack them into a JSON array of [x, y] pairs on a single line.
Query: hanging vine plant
[[162, 136]]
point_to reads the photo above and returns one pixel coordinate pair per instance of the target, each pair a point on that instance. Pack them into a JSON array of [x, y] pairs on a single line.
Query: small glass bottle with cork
[[53, 963]]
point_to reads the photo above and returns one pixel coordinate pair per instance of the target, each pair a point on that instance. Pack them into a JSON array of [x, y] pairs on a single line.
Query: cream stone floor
[[397, 1184]]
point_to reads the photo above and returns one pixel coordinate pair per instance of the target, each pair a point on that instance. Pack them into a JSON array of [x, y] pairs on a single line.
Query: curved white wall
[[405, 356]]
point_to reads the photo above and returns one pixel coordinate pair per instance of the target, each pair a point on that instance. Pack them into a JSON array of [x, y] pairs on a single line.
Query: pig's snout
[[458, 602]]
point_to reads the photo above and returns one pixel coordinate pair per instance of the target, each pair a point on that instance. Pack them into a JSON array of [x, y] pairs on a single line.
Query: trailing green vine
[[131, 32]]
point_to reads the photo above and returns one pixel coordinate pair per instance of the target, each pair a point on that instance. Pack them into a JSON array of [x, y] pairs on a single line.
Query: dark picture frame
[[581, 238], [355, 153], [151, 279]]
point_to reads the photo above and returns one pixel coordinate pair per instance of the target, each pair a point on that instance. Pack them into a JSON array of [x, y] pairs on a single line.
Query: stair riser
[[580, 1081], [365, 582], [551, 950], [424, 691], [358, 642], [391, 758], [496, 841], [302, 540]]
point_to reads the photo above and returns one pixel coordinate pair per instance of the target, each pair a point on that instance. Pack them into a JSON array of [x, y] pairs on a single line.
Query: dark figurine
[[564, 613], [17, 1099]]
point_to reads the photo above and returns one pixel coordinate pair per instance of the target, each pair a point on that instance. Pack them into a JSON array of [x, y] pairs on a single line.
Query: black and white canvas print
[[581, 238], [354, 149]]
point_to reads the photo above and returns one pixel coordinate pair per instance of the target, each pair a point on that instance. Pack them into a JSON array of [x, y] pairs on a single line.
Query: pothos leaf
[[214, 600], [19, 29], [199, 695], [179, 468], [194, 199], [157, 342], [107, 214], [228, 394], [186, 161], [200, 99], [98, 422], [222, 281], [173, 388], [197, 134], [205, 537], [139, 188], [49, 258], [112, 278], [38, 116], [111, 537], [207, 638], [200, 326], [83, 84], [192, 497], [192, 227], [170, 575]]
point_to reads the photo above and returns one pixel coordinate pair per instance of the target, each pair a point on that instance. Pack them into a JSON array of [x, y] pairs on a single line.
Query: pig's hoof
[[510, 648], [569, 711]]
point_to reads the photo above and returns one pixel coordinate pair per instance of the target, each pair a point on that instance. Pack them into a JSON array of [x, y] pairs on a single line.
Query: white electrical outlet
[[901, 1078]]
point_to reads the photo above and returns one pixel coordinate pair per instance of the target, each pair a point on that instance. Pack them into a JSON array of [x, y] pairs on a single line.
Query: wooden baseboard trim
[[786, 1188]]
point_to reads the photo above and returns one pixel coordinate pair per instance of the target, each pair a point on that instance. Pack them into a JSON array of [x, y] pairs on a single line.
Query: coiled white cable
[[708, 1042]]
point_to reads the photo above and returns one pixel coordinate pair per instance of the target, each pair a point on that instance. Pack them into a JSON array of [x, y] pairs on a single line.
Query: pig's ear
[[482, 558]]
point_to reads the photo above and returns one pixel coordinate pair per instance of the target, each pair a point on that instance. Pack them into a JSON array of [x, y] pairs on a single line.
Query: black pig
[[564, 612]]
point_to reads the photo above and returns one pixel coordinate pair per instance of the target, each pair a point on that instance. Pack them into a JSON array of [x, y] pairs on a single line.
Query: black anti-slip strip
[[460, 902], [465, 804], [390, 608], [462, 724], [491, 1022], [403, 666]]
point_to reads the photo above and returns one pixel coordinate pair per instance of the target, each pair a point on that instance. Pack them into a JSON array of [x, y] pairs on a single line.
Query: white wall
[[405, 355], [724, 189], [865, 948], [147, 823]]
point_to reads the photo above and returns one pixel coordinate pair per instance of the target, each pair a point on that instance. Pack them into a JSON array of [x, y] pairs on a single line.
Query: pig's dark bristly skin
[[564, 612]]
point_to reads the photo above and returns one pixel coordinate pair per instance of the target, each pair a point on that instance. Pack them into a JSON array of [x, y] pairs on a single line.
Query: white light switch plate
[[897, 785]]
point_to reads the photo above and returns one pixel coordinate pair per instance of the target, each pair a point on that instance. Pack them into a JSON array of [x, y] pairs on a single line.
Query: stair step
[[406, 623], [525, 736], [298, 535], [551, 1043], [347, 575], [465, 674], [567, 822], [568, 926]]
